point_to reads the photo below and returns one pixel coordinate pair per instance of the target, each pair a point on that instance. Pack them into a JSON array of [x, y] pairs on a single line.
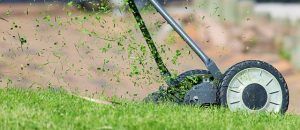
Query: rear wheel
[[183, 83], [254, 86]]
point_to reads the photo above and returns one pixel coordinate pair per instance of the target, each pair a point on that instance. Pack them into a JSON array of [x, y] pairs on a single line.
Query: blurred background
[[95, 47]]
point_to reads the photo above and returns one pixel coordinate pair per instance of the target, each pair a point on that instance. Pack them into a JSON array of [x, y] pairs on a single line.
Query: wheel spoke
[[234, 91], [235, 102], [269, 82], [274, 103], [274, 92], [260, 73], [240, 81]]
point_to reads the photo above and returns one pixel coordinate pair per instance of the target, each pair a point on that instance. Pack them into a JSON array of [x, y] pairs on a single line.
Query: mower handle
[[211, 66]]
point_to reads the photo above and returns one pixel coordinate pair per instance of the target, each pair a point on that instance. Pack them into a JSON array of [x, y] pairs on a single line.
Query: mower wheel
[[254, 86], [177, 90], [185, 82]]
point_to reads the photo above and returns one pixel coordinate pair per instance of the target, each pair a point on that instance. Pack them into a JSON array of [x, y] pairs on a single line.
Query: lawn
[[48, 109]]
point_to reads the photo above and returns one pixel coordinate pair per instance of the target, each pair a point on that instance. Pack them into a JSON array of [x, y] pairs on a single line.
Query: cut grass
[[47, 109]]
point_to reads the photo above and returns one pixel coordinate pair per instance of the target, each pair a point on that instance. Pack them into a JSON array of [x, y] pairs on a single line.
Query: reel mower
[[252, 85]]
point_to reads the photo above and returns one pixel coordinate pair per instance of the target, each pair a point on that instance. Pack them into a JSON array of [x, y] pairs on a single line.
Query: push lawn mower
[[251, 85]]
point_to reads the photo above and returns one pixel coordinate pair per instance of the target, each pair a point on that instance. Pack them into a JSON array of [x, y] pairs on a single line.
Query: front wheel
[[254, 86]]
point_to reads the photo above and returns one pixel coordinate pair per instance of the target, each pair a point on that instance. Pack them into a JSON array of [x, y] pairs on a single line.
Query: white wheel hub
[[254, 89]]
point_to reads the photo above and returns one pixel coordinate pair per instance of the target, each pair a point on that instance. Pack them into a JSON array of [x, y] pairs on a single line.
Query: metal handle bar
[[212, 67]]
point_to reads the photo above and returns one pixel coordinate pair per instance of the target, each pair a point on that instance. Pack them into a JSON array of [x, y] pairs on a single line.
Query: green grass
[[46, 109]]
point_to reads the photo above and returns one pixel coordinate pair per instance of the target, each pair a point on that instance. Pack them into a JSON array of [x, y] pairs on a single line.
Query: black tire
[[234, 70], [185, 82], [176, 92]]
